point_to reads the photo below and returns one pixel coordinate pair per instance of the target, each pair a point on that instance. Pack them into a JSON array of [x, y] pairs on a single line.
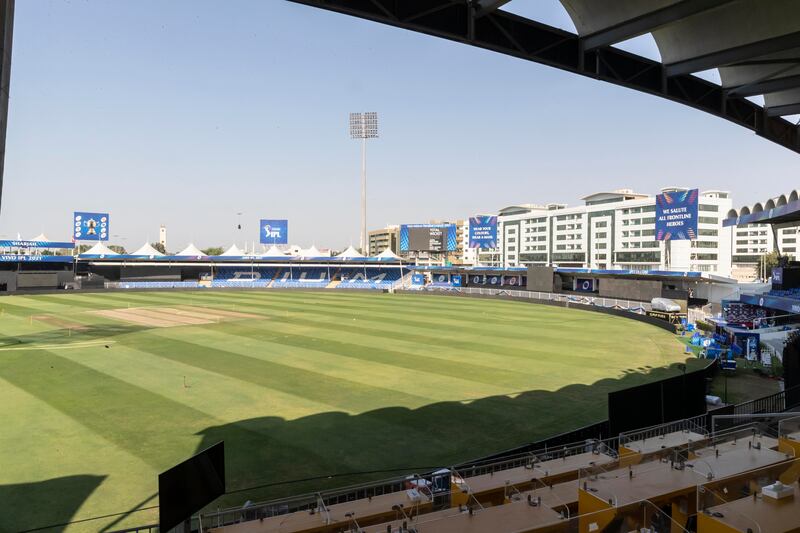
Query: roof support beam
[[484, 7], [516, 36], [783, 110], [648, 22], [766, 86], [737, 54]]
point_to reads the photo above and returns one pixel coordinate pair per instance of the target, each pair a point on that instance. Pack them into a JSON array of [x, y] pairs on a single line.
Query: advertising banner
[[483, 232], [274, 231], [477, 279], [37, 244], [90, 226], [676, 215], [428, 238], [14, 258]]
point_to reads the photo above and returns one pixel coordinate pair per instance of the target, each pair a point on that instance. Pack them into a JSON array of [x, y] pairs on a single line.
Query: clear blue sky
[[187, 112]]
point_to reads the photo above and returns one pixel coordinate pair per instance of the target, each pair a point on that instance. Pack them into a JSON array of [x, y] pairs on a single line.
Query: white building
[[612, 230], [752, 241]]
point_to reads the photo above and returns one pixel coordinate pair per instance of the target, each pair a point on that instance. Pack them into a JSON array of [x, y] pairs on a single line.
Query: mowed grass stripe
[[389, 321], [381, 369], [501, 380], [582, 321], [445, 336], [402, 305], [417, 315], [404, 335], [344, 394], [442, 324], [214, 394], [223, 397], [126, 415], [534, 361]]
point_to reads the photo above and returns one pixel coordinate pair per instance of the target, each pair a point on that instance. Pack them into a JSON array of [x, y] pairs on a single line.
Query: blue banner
[[36, 244], [274, 231], [90, 226], [483, 232], [584, 285], [417, 279], [13, 258], [676, 215], [455, 279]]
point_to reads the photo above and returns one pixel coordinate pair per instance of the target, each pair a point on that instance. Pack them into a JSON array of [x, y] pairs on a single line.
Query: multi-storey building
[[612, 230], [381, 239], [752, 241]]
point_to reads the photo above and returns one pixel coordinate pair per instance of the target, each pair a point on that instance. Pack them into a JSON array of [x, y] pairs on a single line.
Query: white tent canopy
[[191, 251], [350, 253], [273, 251], [99, 249], [233, 251], [387, 254], [311, 252], [147, 250], [41, 238]]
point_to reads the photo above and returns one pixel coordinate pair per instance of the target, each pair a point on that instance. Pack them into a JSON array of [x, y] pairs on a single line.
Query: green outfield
[[101, 392]]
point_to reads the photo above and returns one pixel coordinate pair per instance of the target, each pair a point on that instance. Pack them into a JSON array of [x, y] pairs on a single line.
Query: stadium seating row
[[793, 293], [158, 284]]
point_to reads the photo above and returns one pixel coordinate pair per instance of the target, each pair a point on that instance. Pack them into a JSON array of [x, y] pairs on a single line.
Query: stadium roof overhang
[[779, 212], [755, 45]]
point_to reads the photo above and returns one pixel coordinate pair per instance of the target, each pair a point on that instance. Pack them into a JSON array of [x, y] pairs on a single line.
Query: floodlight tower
[[364, 126]]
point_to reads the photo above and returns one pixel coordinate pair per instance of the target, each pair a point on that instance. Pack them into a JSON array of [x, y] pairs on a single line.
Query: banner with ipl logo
[[274, 231], [90, 226]]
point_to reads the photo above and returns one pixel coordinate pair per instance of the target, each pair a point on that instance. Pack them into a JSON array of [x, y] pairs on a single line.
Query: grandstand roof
[[233, 251], [781, 210], [350, 253], [191, 251], [752, 43], [147, 250], [41, 238]]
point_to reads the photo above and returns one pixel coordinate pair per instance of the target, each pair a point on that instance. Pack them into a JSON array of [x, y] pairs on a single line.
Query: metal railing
[[597, 301], [695, 424]]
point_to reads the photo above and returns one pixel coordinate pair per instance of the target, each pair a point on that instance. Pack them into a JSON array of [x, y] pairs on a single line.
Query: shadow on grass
[[279, 456], [66, 336], [44, 503]]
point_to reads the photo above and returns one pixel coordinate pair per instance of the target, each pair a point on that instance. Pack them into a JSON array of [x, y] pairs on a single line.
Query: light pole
[[364, 126]]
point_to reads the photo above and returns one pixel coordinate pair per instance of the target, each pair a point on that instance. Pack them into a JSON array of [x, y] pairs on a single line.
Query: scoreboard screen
[[427, 237]]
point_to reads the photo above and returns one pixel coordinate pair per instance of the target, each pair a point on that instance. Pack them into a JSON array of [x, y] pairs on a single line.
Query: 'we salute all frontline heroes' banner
[[676, 215]]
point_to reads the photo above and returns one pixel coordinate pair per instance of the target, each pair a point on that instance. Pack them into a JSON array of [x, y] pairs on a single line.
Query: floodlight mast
[[364, 126]]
